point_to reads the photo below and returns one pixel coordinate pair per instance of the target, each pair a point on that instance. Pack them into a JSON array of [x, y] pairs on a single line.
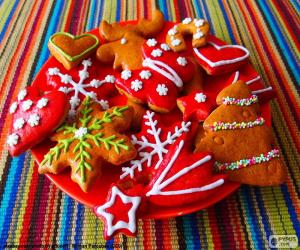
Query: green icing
[[82, 145]]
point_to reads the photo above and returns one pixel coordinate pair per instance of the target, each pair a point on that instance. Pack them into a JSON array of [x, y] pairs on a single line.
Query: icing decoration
[[165, 47], [162, 182], [200, 97], [126, 74], [274, 153], [13, 107], [136, 85], [123, 40], [187, 20], [198, 35], [80, 87], [145, 74], [92, 135], [172, 31], [152, 143], [181, 61], [12, 139], [262, 90], [151, 42], [33, 124], [22, 94], [175, 42], [162, 89], [216, 126], [198, 22], [42, 103], [19, 123], [109, 217], [156, 53], [34, 120], [240, 102], [237, 77]]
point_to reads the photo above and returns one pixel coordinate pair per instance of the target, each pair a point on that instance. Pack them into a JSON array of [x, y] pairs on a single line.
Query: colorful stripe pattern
[[34, 212]]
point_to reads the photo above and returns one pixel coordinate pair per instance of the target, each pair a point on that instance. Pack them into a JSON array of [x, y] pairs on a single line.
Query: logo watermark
[[283, 241]]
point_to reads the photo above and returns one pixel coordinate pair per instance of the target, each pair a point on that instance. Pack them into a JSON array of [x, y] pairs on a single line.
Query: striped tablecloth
[[33, 211]]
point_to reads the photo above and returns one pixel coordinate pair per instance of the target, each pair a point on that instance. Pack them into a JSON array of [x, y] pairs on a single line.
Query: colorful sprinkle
[[240, 102], [236, 125]]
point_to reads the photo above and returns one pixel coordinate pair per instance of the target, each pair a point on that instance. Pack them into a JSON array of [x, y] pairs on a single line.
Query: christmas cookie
[[124, 42], [71, 50], [240, 141], [160, 80], [198, 28], [219, 58], [93, 139], [33, 118]]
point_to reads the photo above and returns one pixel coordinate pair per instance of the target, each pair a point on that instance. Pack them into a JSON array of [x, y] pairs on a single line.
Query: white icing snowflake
[[42, 103], [80, 87], [156, 52], [13, 107], [175, 42], [81, 132], [145, 74], [151, 42], [104, 104], [12, 139], [22, 94], [26, 105], [159, 146], [136, 85], [165, 47], [123, 40], [19, 123], [126, 74], [187, 20], [198, 35], [182, 61], [172, 32], [161, 89], [200, 97], [34, 120], [198, 22]]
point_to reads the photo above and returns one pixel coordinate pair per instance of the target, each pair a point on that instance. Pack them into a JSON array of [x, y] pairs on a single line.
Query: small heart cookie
[[71, 50]]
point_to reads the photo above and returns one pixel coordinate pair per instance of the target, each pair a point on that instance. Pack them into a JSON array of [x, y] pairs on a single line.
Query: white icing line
[[261, 90], [253, 80]]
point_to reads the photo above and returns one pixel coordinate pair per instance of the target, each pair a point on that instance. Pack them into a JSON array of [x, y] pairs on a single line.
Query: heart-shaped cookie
[[71, 50], [218, 58], [35, 117]]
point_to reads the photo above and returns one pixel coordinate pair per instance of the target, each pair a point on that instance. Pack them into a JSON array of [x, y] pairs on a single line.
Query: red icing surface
[[99, 191]]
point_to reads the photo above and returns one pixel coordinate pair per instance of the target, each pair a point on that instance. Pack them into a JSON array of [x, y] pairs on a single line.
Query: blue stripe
[[251, 217], [51, 29], [66, 221], [296, 5], [100, 17], [79, 223], [191, 236], [291, 209], [2, 33], [280, 38], [92, 13], [164, 7], [10, 195], [118, 14], [199, 12], [228, 26], [207, 16]]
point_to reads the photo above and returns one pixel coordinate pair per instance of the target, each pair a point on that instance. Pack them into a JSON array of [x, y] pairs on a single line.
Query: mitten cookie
[[33, 118], [93, 139], [239, 139], [71, 50]]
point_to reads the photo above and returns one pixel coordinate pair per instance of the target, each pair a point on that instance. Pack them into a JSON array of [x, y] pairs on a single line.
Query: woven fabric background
[[34, 211]]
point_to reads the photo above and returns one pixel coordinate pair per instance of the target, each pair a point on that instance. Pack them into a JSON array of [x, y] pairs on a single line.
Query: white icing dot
[[87, 62], [123, 40], [13, 107], [95, 83], [145, 74], [42, 103], [19, 123], [187, 20], [81, 132], [151, 42], [200, 97], [198, 35], [22, 94], [92, 95], [198, 22], [26, 105], [175, 42], [53, 71], [83, 74], [165, 47], [136, 85], [104, 104], [66, 78], [162, 89], [34, 120], [12, 139], [172, 32], [110, 79], [182, 61], [64, 90], [156, 52], [126, 74], [74, 101]]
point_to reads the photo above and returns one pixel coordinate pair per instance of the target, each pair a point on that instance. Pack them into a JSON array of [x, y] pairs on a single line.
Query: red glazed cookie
[[34, 119]]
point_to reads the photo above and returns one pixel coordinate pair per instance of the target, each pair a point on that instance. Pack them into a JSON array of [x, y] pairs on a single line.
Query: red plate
[[97, 194]]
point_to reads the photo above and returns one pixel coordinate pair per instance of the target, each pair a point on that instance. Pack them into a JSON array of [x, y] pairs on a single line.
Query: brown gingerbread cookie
[[124, 47], [239, 139], [93, 139], [198, 28]]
